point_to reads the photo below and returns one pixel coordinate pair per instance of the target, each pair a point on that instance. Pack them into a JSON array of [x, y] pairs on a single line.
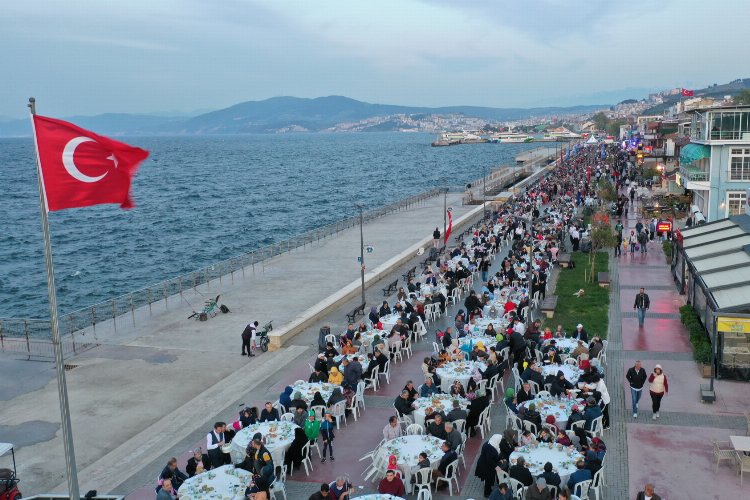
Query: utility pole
[[445, 214], [484, 193], [362, 247]]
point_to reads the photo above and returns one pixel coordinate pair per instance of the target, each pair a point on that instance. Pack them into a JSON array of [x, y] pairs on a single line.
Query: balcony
[[693, 174]]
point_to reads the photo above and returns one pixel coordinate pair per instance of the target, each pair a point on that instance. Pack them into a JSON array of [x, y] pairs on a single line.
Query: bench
[[410, 273], [390, 288], [564, 259], [548, 305], [360, 309], [603, 279]]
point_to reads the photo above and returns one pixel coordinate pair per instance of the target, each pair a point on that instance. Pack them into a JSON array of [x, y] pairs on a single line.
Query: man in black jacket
[[519, 472], [636, 377], [641, 305], [448, 457], [403, 404]]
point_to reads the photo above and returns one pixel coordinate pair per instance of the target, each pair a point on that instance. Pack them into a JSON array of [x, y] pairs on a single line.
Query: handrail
[[33, 330]]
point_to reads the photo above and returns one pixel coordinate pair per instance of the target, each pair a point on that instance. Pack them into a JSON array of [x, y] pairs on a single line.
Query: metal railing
[[31, 336], [694, 174]]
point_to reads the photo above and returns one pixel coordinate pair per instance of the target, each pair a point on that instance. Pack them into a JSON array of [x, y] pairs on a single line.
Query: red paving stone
[[679, 461], [662, 301], [634, 276], [665, 335]]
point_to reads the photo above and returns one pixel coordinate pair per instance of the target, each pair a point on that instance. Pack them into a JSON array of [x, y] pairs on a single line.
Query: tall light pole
[[361, 247], [445, 214], [484, 192]]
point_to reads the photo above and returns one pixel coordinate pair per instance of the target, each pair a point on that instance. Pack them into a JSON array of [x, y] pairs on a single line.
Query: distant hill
[[716, 91], [284, 114]]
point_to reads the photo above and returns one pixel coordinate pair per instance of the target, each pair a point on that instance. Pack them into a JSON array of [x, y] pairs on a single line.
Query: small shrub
[[698, 336]]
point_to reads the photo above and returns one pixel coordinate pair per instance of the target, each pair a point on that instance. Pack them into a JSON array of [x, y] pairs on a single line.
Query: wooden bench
[[564, 259], [360, 309], [390, 288], [410, 273], [548, 305], [603, 279]]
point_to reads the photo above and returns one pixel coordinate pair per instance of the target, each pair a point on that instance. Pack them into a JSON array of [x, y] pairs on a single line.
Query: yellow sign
[[733, 325]]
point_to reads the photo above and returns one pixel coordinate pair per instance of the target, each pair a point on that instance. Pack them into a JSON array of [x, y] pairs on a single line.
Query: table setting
[[223, 483], [308, 390], [378, 496], [563, 459], [438, 402], [278, 437], [558, 408], [458, 370], [407, 450], [571, 372], [563, 346]]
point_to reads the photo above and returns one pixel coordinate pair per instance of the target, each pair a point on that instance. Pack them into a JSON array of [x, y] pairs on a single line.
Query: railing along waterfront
[[31, 336]]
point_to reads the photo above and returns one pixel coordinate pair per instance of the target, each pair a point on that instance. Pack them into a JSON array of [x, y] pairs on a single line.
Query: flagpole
[[62, 390]]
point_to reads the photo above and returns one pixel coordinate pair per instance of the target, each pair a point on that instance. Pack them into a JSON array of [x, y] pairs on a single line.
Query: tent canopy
[[694, 152]]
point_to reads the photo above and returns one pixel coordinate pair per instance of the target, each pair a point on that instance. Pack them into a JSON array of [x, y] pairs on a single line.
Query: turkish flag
[[450, 227], [688, 93], [80, 168]]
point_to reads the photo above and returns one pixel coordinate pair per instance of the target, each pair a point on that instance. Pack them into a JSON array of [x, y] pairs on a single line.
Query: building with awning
[[711, 265]]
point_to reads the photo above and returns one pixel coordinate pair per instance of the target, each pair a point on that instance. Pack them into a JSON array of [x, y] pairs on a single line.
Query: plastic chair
[[450, 476], [287, 417], [406, 348], [279, 485], [424, 494], [414, 429], [422, 480], [460, 425], [530, 426], [597, 430], [361, 394], [597, 484], [338, 411], [354, 408], [514, 484], [306, 458], [319, 410], [386, 371], [543, 394], [373, 380], [534, 387], [331, 338], [581, 489], [571, 361]]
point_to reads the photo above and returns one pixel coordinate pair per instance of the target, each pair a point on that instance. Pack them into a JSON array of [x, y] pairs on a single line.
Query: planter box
[[704, 370]]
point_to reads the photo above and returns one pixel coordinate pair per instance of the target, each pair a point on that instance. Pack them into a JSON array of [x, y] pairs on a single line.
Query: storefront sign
[[733, 325], [664, 226]]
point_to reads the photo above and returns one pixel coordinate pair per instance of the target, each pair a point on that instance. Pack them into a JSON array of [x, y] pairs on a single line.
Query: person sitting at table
[[300, 415], [457, 389], [460, 321], [321, 364], [520, 472], [248, 416], [552, 357], [456, 413], [490, 330], [262, 461], [335, 376], [443, 357], [317, 400], [559, 385], [598, 446], [592, 462], [510, 400], [428, 388], [373, 316], [317, 376], [532, 415], [335, 397], [298, 402], [398, 309], [547, 335], [487, 463], [409, 387], [479, 353], [269, 413], [371, 365], [403, 404], [392, 430], [581, 474], [524, 393], [174, 473], [492, 369], [533, 332], [293, 456], [330, 352], [475, 314], [452, 435], [165, 490], [348, 333], [341, 489], [563, 438], [436, 427], [534, 373], [447, 339], [538, 490], [591, 413], [595, 347], [560, 333], [549, 475], [199, 462], [385, 309], [544, 436], [391, 484], [596, 366], [580, 333], [400, 329], [448, 457], [526, 438], [348, 348], [476, 407], [581, 348], [352, 373], [285, 398]]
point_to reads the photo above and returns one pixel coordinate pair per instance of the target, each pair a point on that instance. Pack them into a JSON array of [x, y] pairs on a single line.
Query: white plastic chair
[[354, 408], [395, 350], [581, 489], [414, 429], [373, 380], [571, 361], [287, 417], [424, 494], [436, 347], [279, 485], [422, 480], [361, 394], [460, 425], [451, 475], [338, 411], [543, 394], [534, 387], [386, 371], [514, 484], [597, 429], [406, 348], [306, 458], [319, 410], [331, 338], [597, 484]]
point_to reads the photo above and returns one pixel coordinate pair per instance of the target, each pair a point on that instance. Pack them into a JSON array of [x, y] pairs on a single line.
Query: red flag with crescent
[[450, 226], [80, 168], [688, 93]]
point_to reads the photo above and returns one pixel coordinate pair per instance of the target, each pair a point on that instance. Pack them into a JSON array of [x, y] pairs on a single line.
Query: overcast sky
[[152, 56]]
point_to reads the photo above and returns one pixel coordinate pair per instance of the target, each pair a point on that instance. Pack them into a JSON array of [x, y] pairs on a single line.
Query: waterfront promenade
[[148, 386]]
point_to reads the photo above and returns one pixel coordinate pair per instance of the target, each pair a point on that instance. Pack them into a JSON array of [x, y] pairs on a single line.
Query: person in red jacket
[[392, 485]]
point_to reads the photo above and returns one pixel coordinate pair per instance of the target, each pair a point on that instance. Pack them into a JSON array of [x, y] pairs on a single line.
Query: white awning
[[732, 297], [719, 246], [690, 232], [732, 259], [709, 237], [728, 277]]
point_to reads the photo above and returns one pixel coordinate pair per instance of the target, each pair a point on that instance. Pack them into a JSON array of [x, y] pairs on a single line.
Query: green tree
[[743, 97], [602, 236], [613, 128], [601, 121], [606, 191]]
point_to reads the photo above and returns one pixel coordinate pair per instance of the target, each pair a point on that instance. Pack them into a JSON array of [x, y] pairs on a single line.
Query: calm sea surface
[[201, 200]]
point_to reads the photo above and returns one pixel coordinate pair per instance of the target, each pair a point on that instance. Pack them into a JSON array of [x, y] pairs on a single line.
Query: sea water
[[200, 200]]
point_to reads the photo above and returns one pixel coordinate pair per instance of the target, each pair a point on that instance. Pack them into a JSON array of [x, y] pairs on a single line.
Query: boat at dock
[[510, 137], [453, 138]]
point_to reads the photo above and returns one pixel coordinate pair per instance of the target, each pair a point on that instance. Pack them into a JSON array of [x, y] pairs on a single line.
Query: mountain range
[[282, 114]]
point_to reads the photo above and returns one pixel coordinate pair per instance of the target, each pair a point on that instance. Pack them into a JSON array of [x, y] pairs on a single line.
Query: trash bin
[[325, 330]]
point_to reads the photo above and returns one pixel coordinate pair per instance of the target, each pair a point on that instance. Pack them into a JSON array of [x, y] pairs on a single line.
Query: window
[[735, 203], [739, 165]]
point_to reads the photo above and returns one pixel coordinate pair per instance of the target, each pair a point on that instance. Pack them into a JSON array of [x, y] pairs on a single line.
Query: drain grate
[[69, 367]]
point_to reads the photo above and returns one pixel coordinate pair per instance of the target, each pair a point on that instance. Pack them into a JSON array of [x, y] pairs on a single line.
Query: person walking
[[658, 388], [636, 377], [641, 305], [642, 241], [436, 238], [618, 244], [632, 240]]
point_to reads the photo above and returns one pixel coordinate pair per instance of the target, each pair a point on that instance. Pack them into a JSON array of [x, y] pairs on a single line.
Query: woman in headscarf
[[393, 465], [533, 416], [510, 400], [336, 396], [293, 456], [335, 376], [508, 444], [317, 400], [298, 402], [489, 459], [285, 398], [560, 385], [248, 416], [373, 317], [457, 389], [476, 407]]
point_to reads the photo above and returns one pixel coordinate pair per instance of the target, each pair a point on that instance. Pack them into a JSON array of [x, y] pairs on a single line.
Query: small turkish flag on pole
[[80, 168], [687, 93]]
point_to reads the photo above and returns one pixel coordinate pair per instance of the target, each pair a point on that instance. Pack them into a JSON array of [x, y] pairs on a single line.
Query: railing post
[[132, 309], [166, 299], [2, 341], [114, 316], [180, 286], [149, 301], [93, 318], [26, 333], [205, 275]]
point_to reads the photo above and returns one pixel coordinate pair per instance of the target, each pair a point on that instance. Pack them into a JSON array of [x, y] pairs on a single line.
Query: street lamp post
[[484, 192], [445, 214], [361, 247]]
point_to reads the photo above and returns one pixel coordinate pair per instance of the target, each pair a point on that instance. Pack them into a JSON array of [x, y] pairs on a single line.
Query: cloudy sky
[[154, 56]]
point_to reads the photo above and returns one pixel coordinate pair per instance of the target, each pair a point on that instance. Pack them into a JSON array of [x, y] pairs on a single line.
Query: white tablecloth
[[564, 345], [457, 370], [562, 463], [351, 357], [445, 405], [571, 372], [552, 406], [308, 390], [473, 339], [389, 321], [224, 483], [280, 436], [369, 336], [407, 450], [378, 496]]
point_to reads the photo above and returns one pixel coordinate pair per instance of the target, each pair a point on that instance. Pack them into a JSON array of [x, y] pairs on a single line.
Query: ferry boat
[[510, 137], [452, 138]]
